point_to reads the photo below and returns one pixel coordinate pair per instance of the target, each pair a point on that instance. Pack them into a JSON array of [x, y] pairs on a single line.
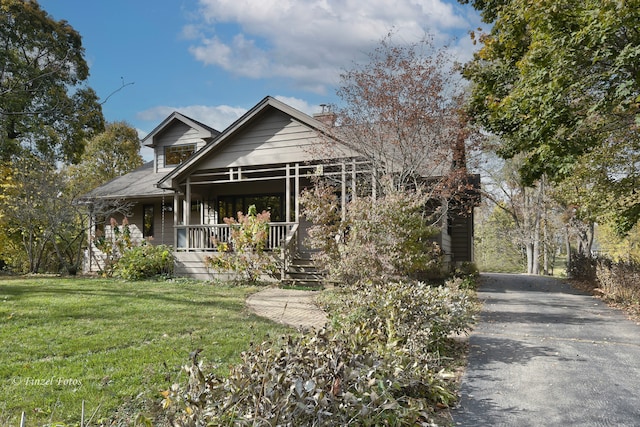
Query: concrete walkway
[[544, 354], [290, 307]]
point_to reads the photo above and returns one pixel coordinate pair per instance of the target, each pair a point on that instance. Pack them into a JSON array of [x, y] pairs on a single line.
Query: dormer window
[[176, 154]]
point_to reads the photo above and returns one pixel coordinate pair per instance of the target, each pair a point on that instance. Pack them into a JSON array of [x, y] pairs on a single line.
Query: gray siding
[[462, 238], [136, 222], [275, 138], [161, 235], [176, 134], [191, 264]]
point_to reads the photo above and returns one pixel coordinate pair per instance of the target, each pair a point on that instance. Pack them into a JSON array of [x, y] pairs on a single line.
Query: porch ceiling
[[275, 172]]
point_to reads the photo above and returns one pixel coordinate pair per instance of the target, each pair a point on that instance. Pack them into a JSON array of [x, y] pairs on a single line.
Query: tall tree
[[402, 111], [107, 155], [495, 248], [43, 226], [559, 80], [44, 106], [625, 249], [32, 193], [528, 217]]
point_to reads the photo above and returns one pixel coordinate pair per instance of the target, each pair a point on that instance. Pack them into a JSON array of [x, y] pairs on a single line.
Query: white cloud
[[311, 41], [218, 117], [146, 153], [141, 133], [300, 104], [190, 32]]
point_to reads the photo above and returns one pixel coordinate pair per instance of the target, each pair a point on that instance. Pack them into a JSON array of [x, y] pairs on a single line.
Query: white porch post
[[297, 207], [90, 233], [186, 214], [288, 193], [187, 203], [176, 218]]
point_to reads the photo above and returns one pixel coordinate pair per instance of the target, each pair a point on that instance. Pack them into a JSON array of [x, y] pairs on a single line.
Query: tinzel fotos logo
[[48, 382]]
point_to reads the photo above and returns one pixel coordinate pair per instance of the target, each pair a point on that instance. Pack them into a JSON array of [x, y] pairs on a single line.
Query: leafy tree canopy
[[559, 80], [109, 154], [44, 106]]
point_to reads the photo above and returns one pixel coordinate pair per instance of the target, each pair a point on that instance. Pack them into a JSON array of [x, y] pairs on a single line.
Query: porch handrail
[[288, 250], [206, 237]]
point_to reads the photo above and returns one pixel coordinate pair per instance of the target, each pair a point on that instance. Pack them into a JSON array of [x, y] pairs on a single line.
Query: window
[[228, 206], [176, 154], [147, 221]]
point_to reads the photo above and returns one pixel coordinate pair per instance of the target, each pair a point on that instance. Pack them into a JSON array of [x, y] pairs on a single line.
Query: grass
[[105, 341]]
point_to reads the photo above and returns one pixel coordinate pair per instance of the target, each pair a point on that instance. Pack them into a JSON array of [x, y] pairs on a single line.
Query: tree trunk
[[536, 257], [546, 247], [530, 251], [536, 244], [590, 237], [567, 242], [545, 253]]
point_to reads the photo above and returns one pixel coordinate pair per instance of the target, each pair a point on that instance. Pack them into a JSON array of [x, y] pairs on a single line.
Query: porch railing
[[205, 238], [289, 250]]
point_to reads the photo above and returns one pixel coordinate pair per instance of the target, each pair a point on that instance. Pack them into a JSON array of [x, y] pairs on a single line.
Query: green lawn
[[103, 341]]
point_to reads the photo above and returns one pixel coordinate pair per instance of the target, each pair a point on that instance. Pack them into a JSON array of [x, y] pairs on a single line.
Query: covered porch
[[205, 197]]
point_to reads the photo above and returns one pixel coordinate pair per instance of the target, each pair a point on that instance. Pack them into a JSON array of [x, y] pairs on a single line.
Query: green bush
[[114, 245], [145, 261], [245, 255], [467, 273], [381, 239], [377, 364], [412, 316]]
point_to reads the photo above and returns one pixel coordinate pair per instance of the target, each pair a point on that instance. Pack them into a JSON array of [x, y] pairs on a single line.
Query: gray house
[[266, 158]]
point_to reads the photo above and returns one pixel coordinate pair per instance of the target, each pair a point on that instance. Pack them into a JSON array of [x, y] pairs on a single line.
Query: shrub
[[619, 281], [245, 255], [467, 273], [388, 238], [321, 206], [115, 245], [375, 366], [413, 316], [303, 381], [583, 267], [145, 261]]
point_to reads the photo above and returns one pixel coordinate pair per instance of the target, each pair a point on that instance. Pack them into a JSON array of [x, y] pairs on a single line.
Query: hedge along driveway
[[102, 341], [544, 354]]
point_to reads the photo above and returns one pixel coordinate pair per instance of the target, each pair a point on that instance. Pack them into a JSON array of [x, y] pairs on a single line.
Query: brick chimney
[[460, 152], [326, 116]]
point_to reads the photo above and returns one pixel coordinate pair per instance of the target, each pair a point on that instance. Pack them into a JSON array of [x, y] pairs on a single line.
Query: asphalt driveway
[[544, 354]]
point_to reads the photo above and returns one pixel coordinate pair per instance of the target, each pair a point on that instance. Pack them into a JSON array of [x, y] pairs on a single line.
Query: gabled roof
[[205, 132], [170, 180]]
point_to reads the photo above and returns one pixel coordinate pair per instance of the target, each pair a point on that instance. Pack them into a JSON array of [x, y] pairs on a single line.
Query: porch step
[[191, 264], [303, 272]]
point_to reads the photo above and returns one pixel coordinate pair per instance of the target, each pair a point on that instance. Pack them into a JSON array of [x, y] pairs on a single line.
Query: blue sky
[[215, 59]]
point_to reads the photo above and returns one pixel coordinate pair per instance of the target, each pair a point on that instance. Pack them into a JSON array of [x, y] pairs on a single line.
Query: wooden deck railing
[[205, 238], [289, 250]]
